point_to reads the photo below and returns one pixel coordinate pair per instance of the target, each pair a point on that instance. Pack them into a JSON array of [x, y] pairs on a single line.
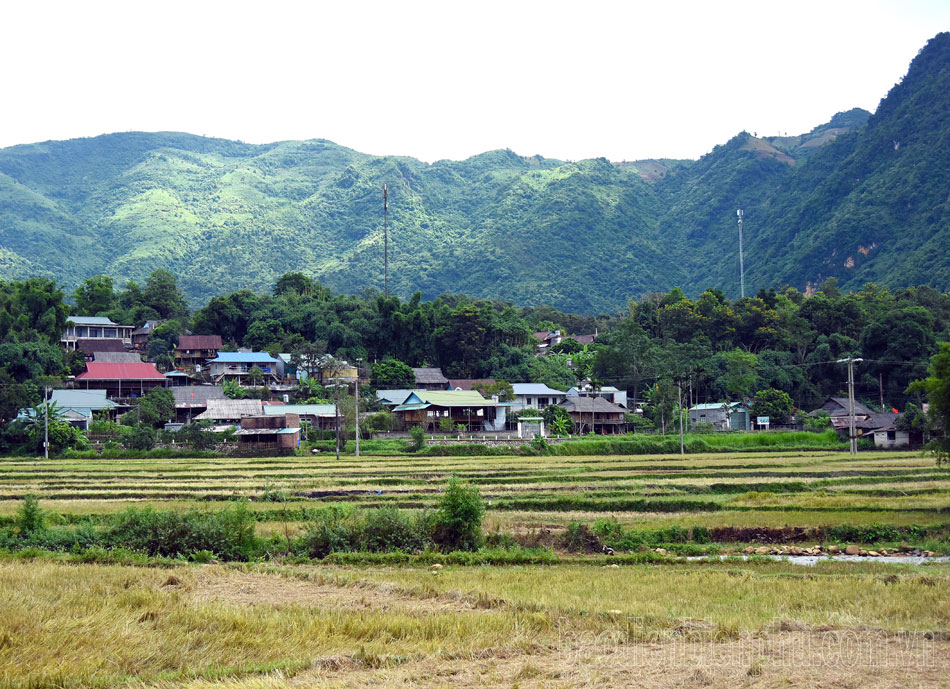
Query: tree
[[913, 420], [294, 283], [94, 295], [937, 389], [233, 390], [256, 375], [502, 388], [392, 374], [775, 404], [557, 419], [154, 408], [162, 295], [307, 356]]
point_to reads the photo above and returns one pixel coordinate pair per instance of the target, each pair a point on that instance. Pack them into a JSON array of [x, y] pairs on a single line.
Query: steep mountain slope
[[860, 198]]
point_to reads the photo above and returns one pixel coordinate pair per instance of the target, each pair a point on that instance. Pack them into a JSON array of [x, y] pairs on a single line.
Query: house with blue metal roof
[[237, 365]]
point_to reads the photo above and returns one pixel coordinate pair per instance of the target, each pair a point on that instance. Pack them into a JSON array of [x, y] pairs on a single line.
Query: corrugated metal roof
[[709, 405], [196, 395], [97, 370], [534, 389], [117, 357], [93, 345], [90, 320], [300, 409], [411, 407], [394, 396], [451, 398], [231, 409], [81, 399], [430, 376], [199, 342], [592, 404], [244, 358]]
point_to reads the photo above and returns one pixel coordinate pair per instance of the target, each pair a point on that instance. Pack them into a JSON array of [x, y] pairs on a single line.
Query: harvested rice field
[[75, 618]]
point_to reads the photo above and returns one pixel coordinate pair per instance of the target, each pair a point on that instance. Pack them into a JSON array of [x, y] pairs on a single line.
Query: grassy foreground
[[275, 626], [74, 620]]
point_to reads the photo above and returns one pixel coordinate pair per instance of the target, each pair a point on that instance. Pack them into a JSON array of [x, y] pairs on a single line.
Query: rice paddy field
[[67, 620]]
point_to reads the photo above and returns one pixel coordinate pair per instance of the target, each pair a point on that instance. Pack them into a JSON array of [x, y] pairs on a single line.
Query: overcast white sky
[[571, 80]]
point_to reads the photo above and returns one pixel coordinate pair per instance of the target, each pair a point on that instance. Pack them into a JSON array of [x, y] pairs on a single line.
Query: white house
[[535, 396]]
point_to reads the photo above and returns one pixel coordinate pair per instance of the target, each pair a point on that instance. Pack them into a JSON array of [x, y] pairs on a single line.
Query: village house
[[469, 383], [193, 351], [321, 417], [140, 336], [596, 415], [94, 328], [92, 348], [466, 408], [722, 416], [535, 396], [227, 412], [430, 379], [236, 366], [278, 432], [77, 407], [608, 392], [393, 398], [120, 381], [122, 357], [192, 400], [548, 339]]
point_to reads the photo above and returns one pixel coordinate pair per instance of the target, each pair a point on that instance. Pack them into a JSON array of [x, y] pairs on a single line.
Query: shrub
[[579, 539], [30, 518], [386, 529], [229, 533], [326, 533], [417, 436], [458, 522], [139, 437]]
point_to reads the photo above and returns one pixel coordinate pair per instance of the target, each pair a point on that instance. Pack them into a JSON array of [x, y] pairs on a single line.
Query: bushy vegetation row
[[229, 534]]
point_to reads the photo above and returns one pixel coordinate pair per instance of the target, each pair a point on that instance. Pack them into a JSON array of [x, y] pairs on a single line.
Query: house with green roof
[[466, 408]]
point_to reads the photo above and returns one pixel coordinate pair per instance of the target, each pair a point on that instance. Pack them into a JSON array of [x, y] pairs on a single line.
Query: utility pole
[[741, 266], [680, 412], [336, 413], [358, 362], [386, 240], [853, 446], [46, 424], [880, 383]]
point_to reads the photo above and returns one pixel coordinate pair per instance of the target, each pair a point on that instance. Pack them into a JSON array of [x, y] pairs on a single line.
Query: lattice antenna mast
[[741, 266], [386, 240]]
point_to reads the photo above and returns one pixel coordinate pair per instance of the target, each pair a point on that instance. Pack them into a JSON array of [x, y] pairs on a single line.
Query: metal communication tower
[[386, 240], [741, 266]]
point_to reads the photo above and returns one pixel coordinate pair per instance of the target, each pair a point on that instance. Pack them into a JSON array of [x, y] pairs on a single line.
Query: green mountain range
[[861, 198]]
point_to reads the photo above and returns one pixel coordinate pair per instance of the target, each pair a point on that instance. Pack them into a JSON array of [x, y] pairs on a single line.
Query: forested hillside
[[857, 199]]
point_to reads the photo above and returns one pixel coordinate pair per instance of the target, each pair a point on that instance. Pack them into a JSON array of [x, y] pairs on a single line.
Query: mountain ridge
[[583, 235]]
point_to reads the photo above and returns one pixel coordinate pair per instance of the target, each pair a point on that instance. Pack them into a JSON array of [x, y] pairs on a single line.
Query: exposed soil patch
[[219, 584], [811, 659]]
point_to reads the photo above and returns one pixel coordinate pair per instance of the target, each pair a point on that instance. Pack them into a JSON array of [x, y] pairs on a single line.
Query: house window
[[892, 435]]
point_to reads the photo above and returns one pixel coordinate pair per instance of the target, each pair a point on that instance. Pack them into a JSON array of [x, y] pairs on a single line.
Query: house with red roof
[[120, 380]]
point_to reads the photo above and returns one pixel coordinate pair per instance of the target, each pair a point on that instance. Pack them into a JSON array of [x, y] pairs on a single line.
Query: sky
[[435, 80]]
